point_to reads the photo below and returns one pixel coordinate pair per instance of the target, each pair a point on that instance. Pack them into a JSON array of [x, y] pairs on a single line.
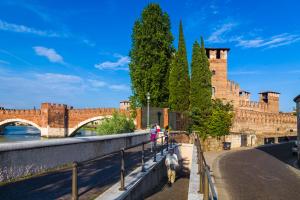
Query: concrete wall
[[184, 153], [24, 158], [194, 178]]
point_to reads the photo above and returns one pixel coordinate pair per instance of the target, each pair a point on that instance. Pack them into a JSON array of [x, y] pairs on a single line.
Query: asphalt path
[[178, 191], [94, 178], [262, 173]]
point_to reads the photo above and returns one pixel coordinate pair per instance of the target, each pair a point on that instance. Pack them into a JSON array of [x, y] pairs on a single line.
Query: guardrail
[[206, 186], [164, 143]]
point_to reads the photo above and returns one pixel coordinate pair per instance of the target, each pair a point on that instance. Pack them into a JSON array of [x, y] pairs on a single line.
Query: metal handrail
[[206, 186], [122, 170]]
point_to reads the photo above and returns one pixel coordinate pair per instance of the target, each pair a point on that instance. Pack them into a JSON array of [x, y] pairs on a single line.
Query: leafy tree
[[179, 82], [150, 55], [115, 125], [200, 92], [221, 118]]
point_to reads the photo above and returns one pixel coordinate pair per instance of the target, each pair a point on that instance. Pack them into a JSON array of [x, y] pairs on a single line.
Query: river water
[[27, 133]]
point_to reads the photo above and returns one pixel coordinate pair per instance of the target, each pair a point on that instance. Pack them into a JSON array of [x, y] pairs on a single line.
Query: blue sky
[[76, 52]]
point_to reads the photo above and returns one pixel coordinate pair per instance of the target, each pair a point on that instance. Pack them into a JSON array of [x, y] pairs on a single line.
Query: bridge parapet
[[57, 120]]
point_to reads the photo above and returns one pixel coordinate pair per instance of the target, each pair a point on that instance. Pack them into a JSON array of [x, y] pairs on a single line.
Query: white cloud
[[18, 28], [49, 53], [272, 42], [97, 84], [58, 78], [5, 26], [120, 64], [102, 84], [88, 42], [15, 56], [4, 62], [218, 36], [119, 87]]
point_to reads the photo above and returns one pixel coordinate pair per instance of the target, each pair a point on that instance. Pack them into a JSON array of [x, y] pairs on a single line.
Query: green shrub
[[119, 123], [221, 118]]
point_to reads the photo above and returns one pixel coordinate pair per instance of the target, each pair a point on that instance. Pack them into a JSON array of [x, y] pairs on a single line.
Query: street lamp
[[297, 101], [148, 111]]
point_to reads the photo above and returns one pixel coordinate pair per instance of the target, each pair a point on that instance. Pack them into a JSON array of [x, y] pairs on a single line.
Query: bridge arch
[[73, 130], [8, 121]]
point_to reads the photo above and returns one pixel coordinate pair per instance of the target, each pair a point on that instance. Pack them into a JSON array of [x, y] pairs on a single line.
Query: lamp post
[[148, 110], [297, 101]]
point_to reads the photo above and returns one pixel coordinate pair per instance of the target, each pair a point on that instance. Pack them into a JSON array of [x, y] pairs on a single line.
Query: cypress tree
[[200, 94], [150, 55], [179, 81]]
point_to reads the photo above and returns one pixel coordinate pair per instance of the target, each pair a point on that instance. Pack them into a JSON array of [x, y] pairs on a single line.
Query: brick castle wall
[[262, 117]]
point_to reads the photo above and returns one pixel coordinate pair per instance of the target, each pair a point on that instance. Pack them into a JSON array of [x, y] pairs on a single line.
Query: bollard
[[74, 181], [206, 187], [154, 159], [122, 181], [162, 146], [143, 157]]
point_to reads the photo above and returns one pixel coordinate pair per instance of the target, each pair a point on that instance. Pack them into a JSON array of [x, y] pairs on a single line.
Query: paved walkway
[[178, 191], [254, 174], [93, 179]]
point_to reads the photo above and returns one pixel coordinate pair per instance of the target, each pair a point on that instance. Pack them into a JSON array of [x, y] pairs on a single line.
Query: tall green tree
[[221, 118], [150, 55], [179, 81], [200, 92]]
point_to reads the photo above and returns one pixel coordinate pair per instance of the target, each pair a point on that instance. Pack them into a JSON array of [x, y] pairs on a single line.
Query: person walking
[[171, 163], [153, 133]]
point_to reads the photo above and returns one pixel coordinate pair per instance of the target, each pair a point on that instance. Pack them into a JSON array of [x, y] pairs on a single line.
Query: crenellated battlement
[[253, 105], [232, 86], [53, 106], [263, 118], [22, 112]]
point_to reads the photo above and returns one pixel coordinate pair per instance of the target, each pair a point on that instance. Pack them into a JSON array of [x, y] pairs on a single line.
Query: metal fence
[[164, 143], [206, 186]]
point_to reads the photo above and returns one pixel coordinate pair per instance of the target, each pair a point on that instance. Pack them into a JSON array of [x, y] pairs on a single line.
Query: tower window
[[213, 91], [218, 56], [213, 72]]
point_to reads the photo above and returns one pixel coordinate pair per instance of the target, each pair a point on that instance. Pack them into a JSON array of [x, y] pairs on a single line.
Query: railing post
[[74, 181], [206, 186], [200, 168], [162, 146], [167, 143], [122, 178], [154, 159], [143, 157]]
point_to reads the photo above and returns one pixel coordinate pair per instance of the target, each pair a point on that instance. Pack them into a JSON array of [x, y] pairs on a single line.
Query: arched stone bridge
[[56, 120]]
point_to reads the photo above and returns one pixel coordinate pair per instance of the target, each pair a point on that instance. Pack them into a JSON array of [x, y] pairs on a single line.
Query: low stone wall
[[216, 144], [32, 157]]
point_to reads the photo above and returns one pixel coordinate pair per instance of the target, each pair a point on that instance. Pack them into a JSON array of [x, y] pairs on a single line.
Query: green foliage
[[200, 92], [179, 82], [221, 119], [115, 125], [150, 55], [134, 104]]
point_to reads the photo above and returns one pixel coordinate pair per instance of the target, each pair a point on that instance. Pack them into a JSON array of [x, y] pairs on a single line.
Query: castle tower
[[218, 65], [271, 99], [54, 120]]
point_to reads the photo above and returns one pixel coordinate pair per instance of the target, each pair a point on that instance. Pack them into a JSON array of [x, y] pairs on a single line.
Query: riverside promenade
[[93, 179]]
